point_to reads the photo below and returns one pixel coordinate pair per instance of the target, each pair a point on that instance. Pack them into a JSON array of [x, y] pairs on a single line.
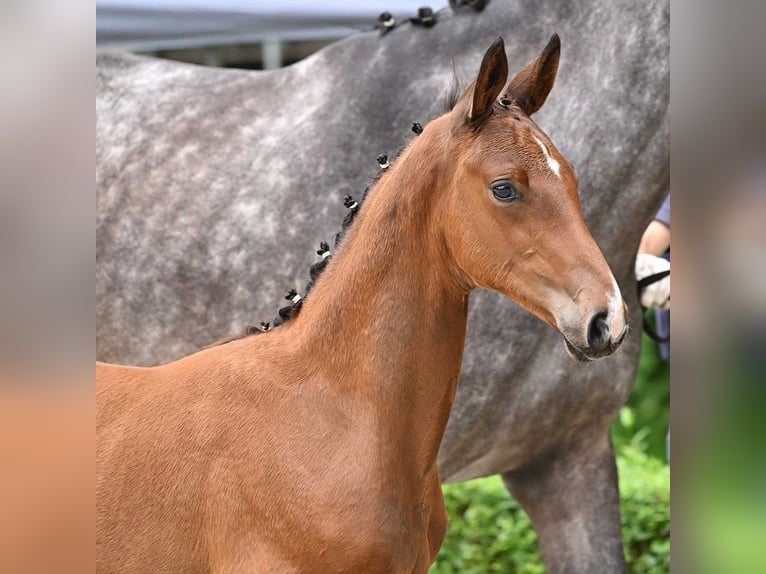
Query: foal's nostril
[[598, 332]]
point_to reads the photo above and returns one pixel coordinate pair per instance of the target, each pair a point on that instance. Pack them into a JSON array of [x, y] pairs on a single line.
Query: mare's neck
[[387, 320]]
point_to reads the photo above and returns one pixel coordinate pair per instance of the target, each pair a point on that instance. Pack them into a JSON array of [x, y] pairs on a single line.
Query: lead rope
[[641, 284]]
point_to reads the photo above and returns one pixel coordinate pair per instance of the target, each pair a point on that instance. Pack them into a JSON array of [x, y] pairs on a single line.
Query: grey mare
[[215, 187]]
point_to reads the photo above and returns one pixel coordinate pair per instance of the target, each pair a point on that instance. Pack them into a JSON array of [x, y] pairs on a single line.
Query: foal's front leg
[[573, 502], [437, 526]]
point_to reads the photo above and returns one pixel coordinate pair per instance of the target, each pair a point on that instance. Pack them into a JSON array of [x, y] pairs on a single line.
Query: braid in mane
[[316, 269]]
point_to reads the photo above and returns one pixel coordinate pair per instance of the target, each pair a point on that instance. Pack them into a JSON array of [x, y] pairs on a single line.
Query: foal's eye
[[505, 191]]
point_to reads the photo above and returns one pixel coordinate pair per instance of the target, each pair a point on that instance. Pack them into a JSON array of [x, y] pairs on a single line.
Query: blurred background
[[719, 377]]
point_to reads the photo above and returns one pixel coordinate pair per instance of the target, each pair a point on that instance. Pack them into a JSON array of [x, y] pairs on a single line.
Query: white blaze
[[552, 161], [616, 312]]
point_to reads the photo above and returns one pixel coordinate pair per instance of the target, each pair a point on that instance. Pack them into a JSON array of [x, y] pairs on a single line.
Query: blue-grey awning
[[172, 24]]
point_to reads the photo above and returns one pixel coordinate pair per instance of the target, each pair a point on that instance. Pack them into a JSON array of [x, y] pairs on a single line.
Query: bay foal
[[312, 448]]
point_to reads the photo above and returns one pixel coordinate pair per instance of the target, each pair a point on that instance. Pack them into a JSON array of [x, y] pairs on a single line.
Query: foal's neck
[[387, 320]]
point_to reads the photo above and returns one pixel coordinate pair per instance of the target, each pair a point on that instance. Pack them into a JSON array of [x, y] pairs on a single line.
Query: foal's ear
[[531, 86], [489, 83]]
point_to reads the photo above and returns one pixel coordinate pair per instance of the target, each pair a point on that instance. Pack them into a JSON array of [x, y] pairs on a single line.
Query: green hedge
[[647, 412], [488, 531]]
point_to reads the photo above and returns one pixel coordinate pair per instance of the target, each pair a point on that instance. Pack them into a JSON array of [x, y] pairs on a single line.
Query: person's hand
[[656, 239], [656, 295]]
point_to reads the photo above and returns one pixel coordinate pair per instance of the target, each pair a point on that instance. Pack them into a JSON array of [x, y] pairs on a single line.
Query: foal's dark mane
[[354, 206]]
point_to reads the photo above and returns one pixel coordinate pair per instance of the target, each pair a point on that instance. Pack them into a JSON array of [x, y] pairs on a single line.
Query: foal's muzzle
[[600, 343]]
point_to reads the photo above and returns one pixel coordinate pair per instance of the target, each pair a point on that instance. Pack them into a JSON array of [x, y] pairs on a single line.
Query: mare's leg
[[573, 502]]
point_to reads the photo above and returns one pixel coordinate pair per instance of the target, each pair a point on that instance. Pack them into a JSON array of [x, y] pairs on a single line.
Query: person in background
[[654, 257], [656, 238]]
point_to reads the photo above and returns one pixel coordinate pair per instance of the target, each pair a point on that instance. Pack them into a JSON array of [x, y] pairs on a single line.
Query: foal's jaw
[[590, 315]]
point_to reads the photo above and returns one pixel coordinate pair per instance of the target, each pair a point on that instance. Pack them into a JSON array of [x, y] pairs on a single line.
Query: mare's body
[[210, 179]]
